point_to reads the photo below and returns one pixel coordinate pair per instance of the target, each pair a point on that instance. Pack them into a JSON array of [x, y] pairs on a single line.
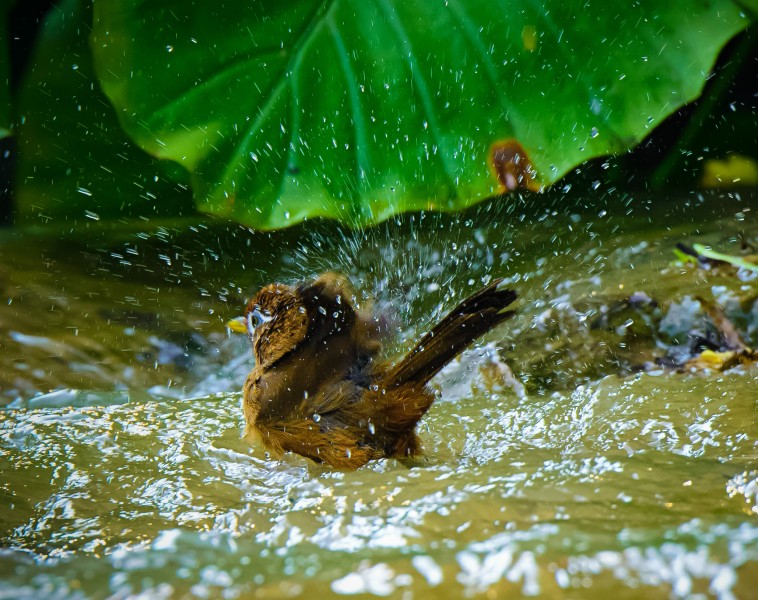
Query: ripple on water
[[624, 483]]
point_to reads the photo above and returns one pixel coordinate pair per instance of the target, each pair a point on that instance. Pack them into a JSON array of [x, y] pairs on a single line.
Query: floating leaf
[[736, 261], [712, 360], [358, 110], [702, 255]]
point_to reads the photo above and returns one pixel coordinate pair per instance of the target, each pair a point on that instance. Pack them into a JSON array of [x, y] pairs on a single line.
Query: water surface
[[563, 458]]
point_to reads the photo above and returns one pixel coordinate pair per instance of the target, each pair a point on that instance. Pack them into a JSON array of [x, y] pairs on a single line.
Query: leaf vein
[[423, 89], [362, 161]]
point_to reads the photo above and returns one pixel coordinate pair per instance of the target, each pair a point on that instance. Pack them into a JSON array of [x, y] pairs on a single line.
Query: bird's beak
[[238, 325]]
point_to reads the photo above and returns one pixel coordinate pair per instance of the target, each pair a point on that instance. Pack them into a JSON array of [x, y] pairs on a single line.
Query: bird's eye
[[259, 317], [254, 318]]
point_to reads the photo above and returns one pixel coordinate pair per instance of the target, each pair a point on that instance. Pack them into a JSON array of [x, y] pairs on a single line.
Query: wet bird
[[317, 388]]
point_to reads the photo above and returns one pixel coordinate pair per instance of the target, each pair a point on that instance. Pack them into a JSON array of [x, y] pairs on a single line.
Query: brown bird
[[316, 388]]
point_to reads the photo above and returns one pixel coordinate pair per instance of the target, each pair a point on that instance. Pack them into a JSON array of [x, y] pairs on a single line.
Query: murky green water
[[597, 472]]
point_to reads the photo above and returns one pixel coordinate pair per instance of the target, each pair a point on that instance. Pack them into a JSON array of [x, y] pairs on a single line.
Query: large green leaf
[[74, 161], [357, 110]]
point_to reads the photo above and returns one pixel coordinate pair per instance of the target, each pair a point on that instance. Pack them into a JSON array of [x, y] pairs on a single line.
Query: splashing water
[[549, 469]]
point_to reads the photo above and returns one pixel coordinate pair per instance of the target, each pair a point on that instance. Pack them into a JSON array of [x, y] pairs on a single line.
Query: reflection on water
[[124, 472]]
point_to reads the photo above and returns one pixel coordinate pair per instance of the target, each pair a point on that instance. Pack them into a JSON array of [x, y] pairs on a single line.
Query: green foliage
[[281, 111], [75, 161], [5, 100], [706, 253]]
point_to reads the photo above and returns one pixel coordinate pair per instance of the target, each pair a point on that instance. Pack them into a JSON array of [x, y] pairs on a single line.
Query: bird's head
[[275, 320]]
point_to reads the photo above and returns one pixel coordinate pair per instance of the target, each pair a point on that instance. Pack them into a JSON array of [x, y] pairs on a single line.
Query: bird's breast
[[285, 389]]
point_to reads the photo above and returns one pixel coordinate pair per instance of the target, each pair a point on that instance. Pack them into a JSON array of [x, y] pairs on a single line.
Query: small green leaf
[[358, 110], [735, 261], [684, 257]]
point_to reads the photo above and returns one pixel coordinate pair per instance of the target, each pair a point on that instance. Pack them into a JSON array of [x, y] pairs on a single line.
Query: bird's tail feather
[[471, 319]]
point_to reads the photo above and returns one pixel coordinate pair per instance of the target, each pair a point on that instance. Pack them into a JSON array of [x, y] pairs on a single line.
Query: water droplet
[[316, 417], [594, 132], [371, 428], [169, 48]]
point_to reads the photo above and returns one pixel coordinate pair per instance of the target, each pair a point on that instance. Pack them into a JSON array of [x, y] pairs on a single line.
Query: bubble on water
[[745, 485], [429, 568], [478, 574], [166, 540], [671, 564], [379, 580]]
